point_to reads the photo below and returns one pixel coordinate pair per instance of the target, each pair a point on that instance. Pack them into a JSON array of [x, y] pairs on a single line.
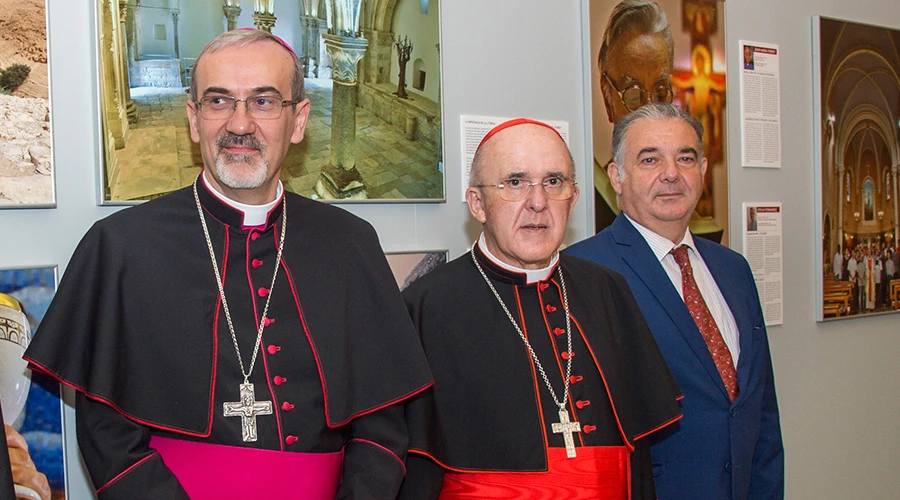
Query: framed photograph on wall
[[410, 266], [857, 157], [373, 79], [31, 401], [26, 152], [659, 51]]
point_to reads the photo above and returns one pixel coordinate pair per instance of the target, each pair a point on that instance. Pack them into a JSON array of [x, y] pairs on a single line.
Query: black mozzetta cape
[[137, 323], [489, 409]]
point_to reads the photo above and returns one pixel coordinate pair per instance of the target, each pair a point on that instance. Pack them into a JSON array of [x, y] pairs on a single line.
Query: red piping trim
[[660, 426], [262, 346], [33, 364], [612, 403], [534, 379], [126, 471], [312, 345], [562, 373], [456, 469], [373, 443]]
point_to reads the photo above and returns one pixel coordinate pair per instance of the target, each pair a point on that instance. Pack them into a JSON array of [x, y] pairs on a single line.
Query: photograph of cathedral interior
[[372, 75], [859, 67], [685, 64], [26, 161]]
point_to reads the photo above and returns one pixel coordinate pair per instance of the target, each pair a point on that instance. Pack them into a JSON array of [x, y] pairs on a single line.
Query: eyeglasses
[[261, 107], [635, 96], [556, 188]]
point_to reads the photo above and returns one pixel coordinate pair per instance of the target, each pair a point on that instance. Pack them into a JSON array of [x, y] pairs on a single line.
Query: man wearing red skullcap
[[547, 379]]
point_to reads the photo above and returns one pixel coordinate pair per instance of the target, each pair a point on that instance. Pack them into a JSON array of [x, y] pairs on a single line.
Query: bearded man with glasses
[[547, 379], [231, 339]]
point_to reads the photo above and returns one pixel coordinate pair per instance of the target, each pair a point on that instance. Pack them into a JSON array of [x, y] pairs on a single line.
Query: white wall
[[421, 30], [837, 382]]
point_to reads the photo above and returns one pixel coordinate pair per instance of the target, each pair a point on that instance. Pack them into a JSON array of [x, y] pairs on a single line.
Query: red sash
[[213, 471], [598, 472]]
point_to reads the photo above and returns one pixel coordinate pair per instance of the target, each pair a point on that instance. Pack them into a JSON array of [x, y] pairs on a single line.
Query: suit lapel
[[733, 292], [636, 253]]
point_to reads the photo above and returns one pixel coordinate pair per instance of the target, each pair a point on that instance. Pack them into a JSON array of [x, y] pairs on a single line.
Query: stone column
[[232, 10], [340, 178], [894, 184], [175, 15], [130, 107], [378, 56], [840, 208]]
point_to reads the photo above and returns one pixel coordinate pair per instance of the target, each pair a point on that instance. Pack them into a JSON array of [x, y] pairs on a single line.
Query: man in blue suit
[[701, 303]]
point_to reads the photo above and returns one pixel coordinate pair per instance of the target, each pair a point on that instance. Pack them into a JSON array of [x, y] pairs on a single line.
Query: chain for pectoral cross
[[247, 408], [564, 426]]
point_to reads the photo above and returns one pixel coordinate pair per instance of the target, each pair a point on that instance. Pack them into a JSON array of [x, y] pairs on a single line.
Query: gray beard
[[228, 176]]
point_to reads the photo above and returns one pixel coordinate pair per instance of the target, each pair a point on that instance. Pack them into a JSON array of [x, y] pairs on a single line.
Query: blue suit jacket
[[720, 449]]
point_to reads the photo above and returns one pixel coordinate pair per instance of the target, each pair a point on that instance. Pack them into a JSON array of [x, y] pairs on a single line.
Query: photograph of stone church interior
[[372, 75]]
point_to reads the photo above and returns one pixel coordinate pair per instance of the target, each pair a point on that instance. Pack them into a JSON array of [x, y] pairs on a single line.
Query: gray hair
[[242, 38], [476, 176], [653, 111], [636, 16]]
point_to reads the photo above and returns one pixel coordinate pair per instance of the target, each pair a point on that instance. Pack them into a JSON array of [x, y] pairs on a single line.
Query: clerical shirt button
[[287, 406], [727, 466], [256, 263], [279, 380], [550, 308], [587, 429], [263, 291], [582, 403], [565, 355], [273, 349], [291, 439], [574, 379]]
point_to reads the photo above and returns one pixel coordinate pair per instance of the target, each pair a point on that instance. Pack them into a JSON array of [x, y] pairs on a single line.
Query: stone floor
[[160, 157]]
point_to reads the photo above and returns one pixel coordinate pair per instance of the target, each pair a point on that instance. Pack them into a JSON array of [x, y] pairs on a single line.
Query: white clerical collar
[[661, 245], [531, 275], [254, 215]]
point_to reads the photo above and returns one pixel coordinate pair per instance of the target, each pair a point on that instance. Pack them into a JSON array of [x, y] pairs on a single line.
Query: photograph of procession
[[858, 156], [372, 75]]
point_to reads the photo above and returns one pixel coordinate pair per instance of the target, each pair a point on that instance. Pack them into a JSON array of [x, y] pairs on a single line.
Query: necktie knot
[[681, 257]]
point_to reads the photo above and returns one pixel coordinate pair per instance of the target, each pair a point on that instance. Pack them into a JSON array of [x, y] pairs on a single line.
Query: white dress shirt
[[719, 309]]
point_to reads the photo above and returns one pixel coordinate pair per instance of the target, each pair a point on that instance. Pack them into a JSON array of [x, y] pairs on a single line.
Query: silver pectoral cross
[[248, 408], [567, 428]]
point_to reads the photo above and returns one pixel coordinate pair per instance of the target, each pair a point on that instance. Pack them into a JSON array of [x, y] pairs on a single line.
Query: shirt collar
[[530, 275], [252, 215], [661, 245]]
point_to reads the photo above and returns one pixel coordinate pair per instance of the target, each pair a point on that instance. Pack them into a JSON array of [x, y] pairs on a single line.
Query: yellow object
[[10, 301]]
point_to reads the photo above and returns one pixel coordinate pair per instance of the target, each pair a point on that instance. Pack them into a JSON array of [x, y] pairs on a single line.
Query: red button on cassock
[[273, 349], [256, 263], [263, 291], [290, 439], [587, 429], [254, 236], [582, 403], [558, 331], [544, 286], [287, 406], [574, 379], [550, 308], [279, 380], [269, 321], [565, 355]]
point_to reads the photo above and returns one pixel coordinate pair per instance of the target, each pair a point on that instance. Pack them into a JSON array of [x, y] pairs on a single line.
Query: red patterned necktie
[[705, 322]]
